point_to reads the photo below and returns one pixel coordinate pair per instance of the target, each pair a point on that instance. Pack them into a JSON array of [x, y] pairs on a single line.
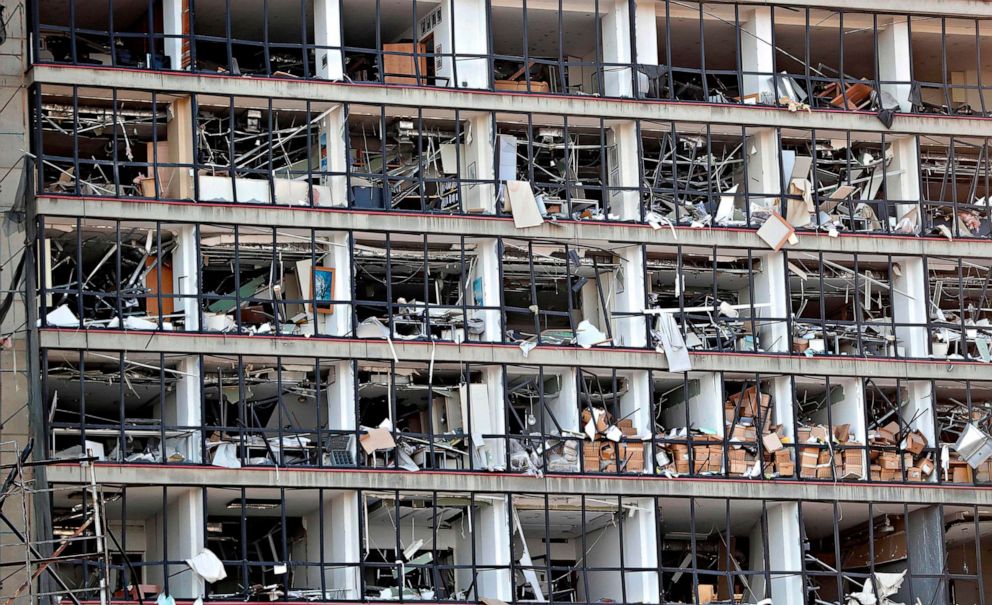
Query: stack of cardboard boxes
[[605, 452], [888, 465], [823, 455]]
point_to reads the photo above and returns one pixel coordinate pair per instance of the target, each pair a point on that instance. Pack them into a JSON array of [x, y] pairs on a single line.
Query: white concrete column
[[175, 22], [624, 169], [565, 406], [187, 406], [847, 406], [493, 377], [895, 61], [769, 286], [463, 31], [783, 404], [491, 533], [338, 257], [176, 534], [763, 174], [757, 54], [327, 38], [902, 183], [639, 551], [333, 164], [705, 402], [785, 556], [337, 535], [618, 42], [341, 397], [185, 271], [486, 275], [476, 163], [630, 331]]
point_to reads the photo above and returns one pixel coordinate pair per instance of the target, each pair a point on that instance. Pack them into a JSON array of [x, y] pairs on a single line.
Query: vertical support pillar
[[486, 276], [188, 405], [338, 257], [785, 556], [493, 377], [895, 61], [333, 157], [179, 133], [341, 397], [565, 407], [925, 543], [337, 536], [492, 549], [757, 55], [639, 551], [476, 164], [909, 300], [624, 170], [619, 44], [183, 522], [327, 39], [175, 26], [463, 33], [185, 271]]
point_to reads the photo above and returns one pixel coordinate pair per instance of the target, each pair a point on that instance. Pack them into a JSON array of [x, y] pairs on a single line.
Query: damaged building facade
[[634, 301]]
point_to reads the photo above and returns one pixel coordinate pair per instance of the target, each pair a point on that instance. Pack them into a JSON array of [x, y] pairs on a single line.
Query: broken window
[[955, 186], [703, 299]]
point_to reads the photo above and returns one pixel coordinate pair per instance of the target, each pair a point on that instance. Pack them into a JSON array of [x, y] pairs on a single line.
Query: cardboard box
[[961, 472], [850, 471], [736, 454], [820, 433], [739, 467], [854, 456], [747, 434], [889, 475], [785, 469], [915, 443], [926, 466], [914, 474], [825, 472], [842, 432], [707, 594], [875, 471], [888, 433], [783, 455], [889, 461], [771, 442]]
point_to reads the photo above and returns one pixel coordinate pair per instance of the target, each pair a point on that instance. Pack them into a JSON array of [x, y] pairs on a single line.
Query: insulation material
[[672, 343], [886, 585]]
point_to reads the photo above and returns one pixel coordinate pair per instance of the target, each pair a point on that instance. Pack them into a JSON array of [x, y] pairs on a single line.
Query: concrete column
[[902, 179], [639, 551], [847, 406], [338, 256], [565, 407], [785, 556], [763, 172], [327, 39], [185, 271], [757, 54], [705, 402], [333, 155], [925, 545], [783, 404], [619, 43], [175, 22], [630, 331], [491, 540], [336, 534], [176, 534], [769, 286], [179, 135], [463, 31], [909, 305], [895, 61], [341, 397], [624, 170], [476, 163], [186, 406], [486, 275], [493, 377]]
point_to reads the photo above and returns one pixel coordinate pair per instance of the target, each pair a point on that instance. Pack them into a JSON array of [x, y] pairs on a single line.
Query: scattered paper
[[208, 566]]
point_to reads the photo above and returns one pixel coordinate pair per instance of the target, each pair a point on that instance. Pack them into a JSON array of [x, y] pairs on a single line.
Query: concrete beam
[[412, 96], [634, 486], [494, 354], [963, 8], [576, 232]]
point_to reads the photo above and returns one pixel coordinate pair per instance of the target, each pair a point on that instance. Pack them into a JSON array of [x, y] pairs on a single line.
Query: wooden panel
[[397, 67], [151, 282]]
